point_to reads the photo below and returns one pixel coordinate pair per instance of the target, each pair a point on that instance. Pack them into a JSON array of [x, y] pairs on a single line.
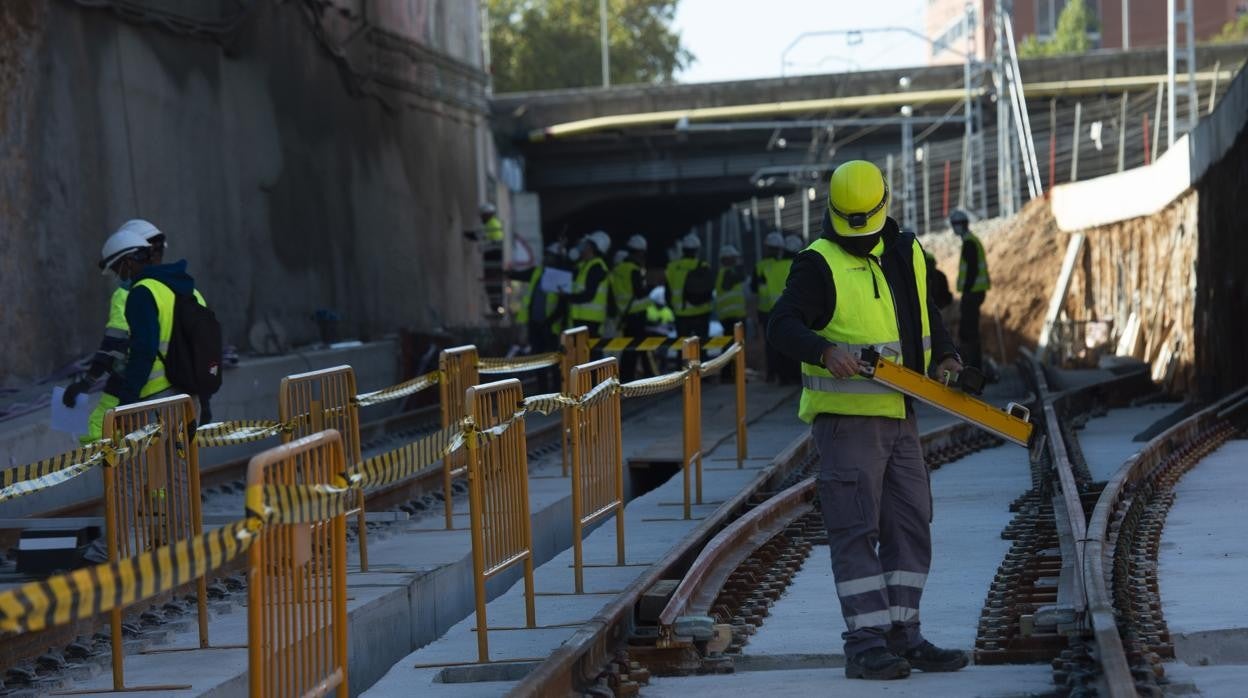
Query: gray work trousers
[[877, 506]]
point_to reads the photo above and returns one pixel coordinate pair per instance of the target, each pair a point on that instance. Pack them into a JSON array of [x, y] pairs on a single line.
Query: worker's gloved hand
[[70, 398], [948, 369], [840, 363]]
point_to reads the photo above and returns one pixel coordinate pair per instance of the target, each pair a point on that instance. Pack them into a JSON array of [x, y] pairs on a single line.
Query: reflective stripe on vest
[[626, 300], [729, 302], [164, 297], [596, 309], [775, 273], [677, 271], [981, 283], [861, 320]]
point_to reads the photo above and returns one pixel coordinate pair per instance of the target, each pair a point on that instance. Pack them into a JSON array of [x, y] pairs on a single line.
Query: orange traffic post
[[738, 336], [692, 430], [597, 460], [151, 499], [574, 343], [498, 495], [325, 399], [297, 579], [458, 369]]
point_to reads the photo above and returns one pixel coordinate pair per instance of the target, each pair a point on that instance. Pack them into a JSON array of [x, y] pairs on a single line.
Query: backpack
[[699, 285], [193, 362]]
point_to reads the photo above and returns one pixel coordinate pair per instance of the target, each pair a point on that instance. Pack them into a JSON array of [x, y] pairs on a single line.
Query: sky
[[741, 39]]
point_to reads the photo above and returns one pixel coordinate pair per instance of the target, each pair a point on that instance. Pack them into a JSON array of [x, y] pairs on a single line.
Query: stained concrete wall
[[291, 178]]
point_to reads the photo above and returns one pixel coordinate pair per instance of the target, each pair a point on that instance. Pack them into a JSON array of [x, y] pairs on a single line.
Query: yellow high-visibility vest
[[596, 309], [729, 302], [775, 273], [677, 272], [861, 320], [981, 282], [164, 297]]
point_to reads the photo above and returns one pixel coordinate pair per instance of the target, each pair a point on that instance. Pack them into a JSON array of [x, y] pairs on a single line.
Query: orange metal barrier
[[597, 460], [458, 369], [574, 343], [297, 579], [738, 336], [320, 400], [151, 498], [498, 487], [692, 432]]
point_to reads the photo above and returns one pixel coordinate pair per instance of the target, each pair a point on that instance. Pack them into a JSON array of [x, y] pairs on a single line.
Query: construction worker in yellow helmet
[[863, 283]]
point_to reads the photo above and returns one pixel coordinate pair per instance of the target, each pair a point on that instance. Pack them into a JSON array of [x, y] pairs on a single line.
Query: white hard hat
[[729, 251], [600, 240], [656, 295], [793, 243], [774, 240], [637, 243], [128, 238], [620, 256], [691, 242], [487, 209]]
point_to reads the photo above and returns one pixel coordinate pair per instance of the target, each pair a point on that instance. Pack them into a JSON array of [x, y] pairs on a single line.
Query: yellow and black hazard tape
[[22, 480], [300, 504], [90, 591], [719, 362], [239, 432], [652, 344], [407, 460], [653, 386], [517, 364], [401, 390]]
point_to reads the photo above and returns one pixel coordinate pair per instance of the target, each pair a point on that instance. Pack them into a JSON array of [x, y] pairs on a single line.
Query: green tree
[[1069, 37], [547, 44], [1233, 31]]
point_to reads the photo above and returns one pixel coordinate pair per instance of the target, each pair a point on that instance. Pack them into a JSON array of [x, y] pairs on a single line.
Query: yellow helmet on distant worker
[[857, 199]]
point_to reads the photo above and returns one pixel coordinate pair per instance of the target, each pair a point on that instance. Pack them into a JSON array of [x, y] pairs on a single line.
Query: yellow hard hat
[[857, 199]]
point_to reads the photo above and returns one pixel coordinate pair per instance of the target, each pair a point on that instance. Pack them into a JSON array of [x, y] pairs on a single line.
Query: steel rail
[[1116, 676], [578, 661], [723, 553]]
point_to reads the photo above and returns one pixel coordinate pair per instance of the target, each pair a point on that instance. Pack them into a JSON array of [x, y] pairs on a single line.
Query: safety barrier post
[[325, 399], [458, 368], [597, 460], [297, 579], [498, 495], [151, 499], [574, 343], [738, 335], [692, 432]]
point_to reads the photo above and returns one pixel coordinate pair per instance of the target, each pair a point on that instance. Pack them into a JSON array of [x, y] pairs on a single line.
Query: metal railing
[[327, 397], [574, 343], [297, 578], [458, 368], [691, 434], [498, 492], [597, 459], [152, 499]]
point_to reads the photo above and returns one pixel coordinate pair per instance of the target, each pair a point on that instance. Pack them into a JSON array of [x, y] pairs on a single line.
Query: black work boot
[[929, 657], [879, 663]]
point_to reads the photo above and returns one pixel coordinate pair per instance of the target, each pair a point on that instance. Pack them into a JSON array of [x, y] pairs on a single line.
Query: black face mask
[[859, 246]]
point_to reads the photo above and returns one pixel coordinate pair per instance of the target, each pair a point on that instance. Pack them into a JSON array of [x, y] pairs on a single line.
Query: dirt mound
[[1024, 258]]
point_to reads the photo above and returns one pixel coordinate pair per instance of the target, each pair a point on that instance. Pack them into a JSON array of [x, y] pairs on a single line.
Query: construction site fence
[[597, 459]]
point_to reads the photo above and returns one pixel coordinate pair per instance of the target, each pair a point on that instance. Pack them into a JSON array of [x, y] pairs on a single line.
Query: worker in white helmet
[[133, 238], [630, 299], [690, 288], [729, 294], [770, 274], [590, 288]]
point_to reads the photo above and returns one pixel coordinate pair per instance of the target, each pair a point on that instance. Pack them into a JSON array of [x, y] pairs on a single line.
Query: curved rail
[[1100, 554], [729, 547]]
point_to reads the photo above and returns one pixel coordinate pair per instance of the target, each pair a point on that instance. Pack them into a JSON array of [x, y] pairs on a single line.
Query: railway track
[[41, 661], [1077, 588]]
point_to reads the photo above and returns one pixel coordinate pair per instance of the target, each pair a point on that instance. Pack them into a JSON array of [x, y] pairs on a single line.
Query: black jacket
[[809, 300]]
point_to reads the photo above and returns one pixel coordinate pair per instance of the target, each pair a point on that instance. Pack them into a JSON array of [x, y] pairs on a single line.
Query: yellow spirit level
[[1010, 424]]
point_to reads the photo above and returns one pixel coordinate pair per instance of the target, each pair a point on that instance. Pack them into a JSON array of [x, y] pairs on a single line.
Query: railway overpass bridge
[[657, 159]]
